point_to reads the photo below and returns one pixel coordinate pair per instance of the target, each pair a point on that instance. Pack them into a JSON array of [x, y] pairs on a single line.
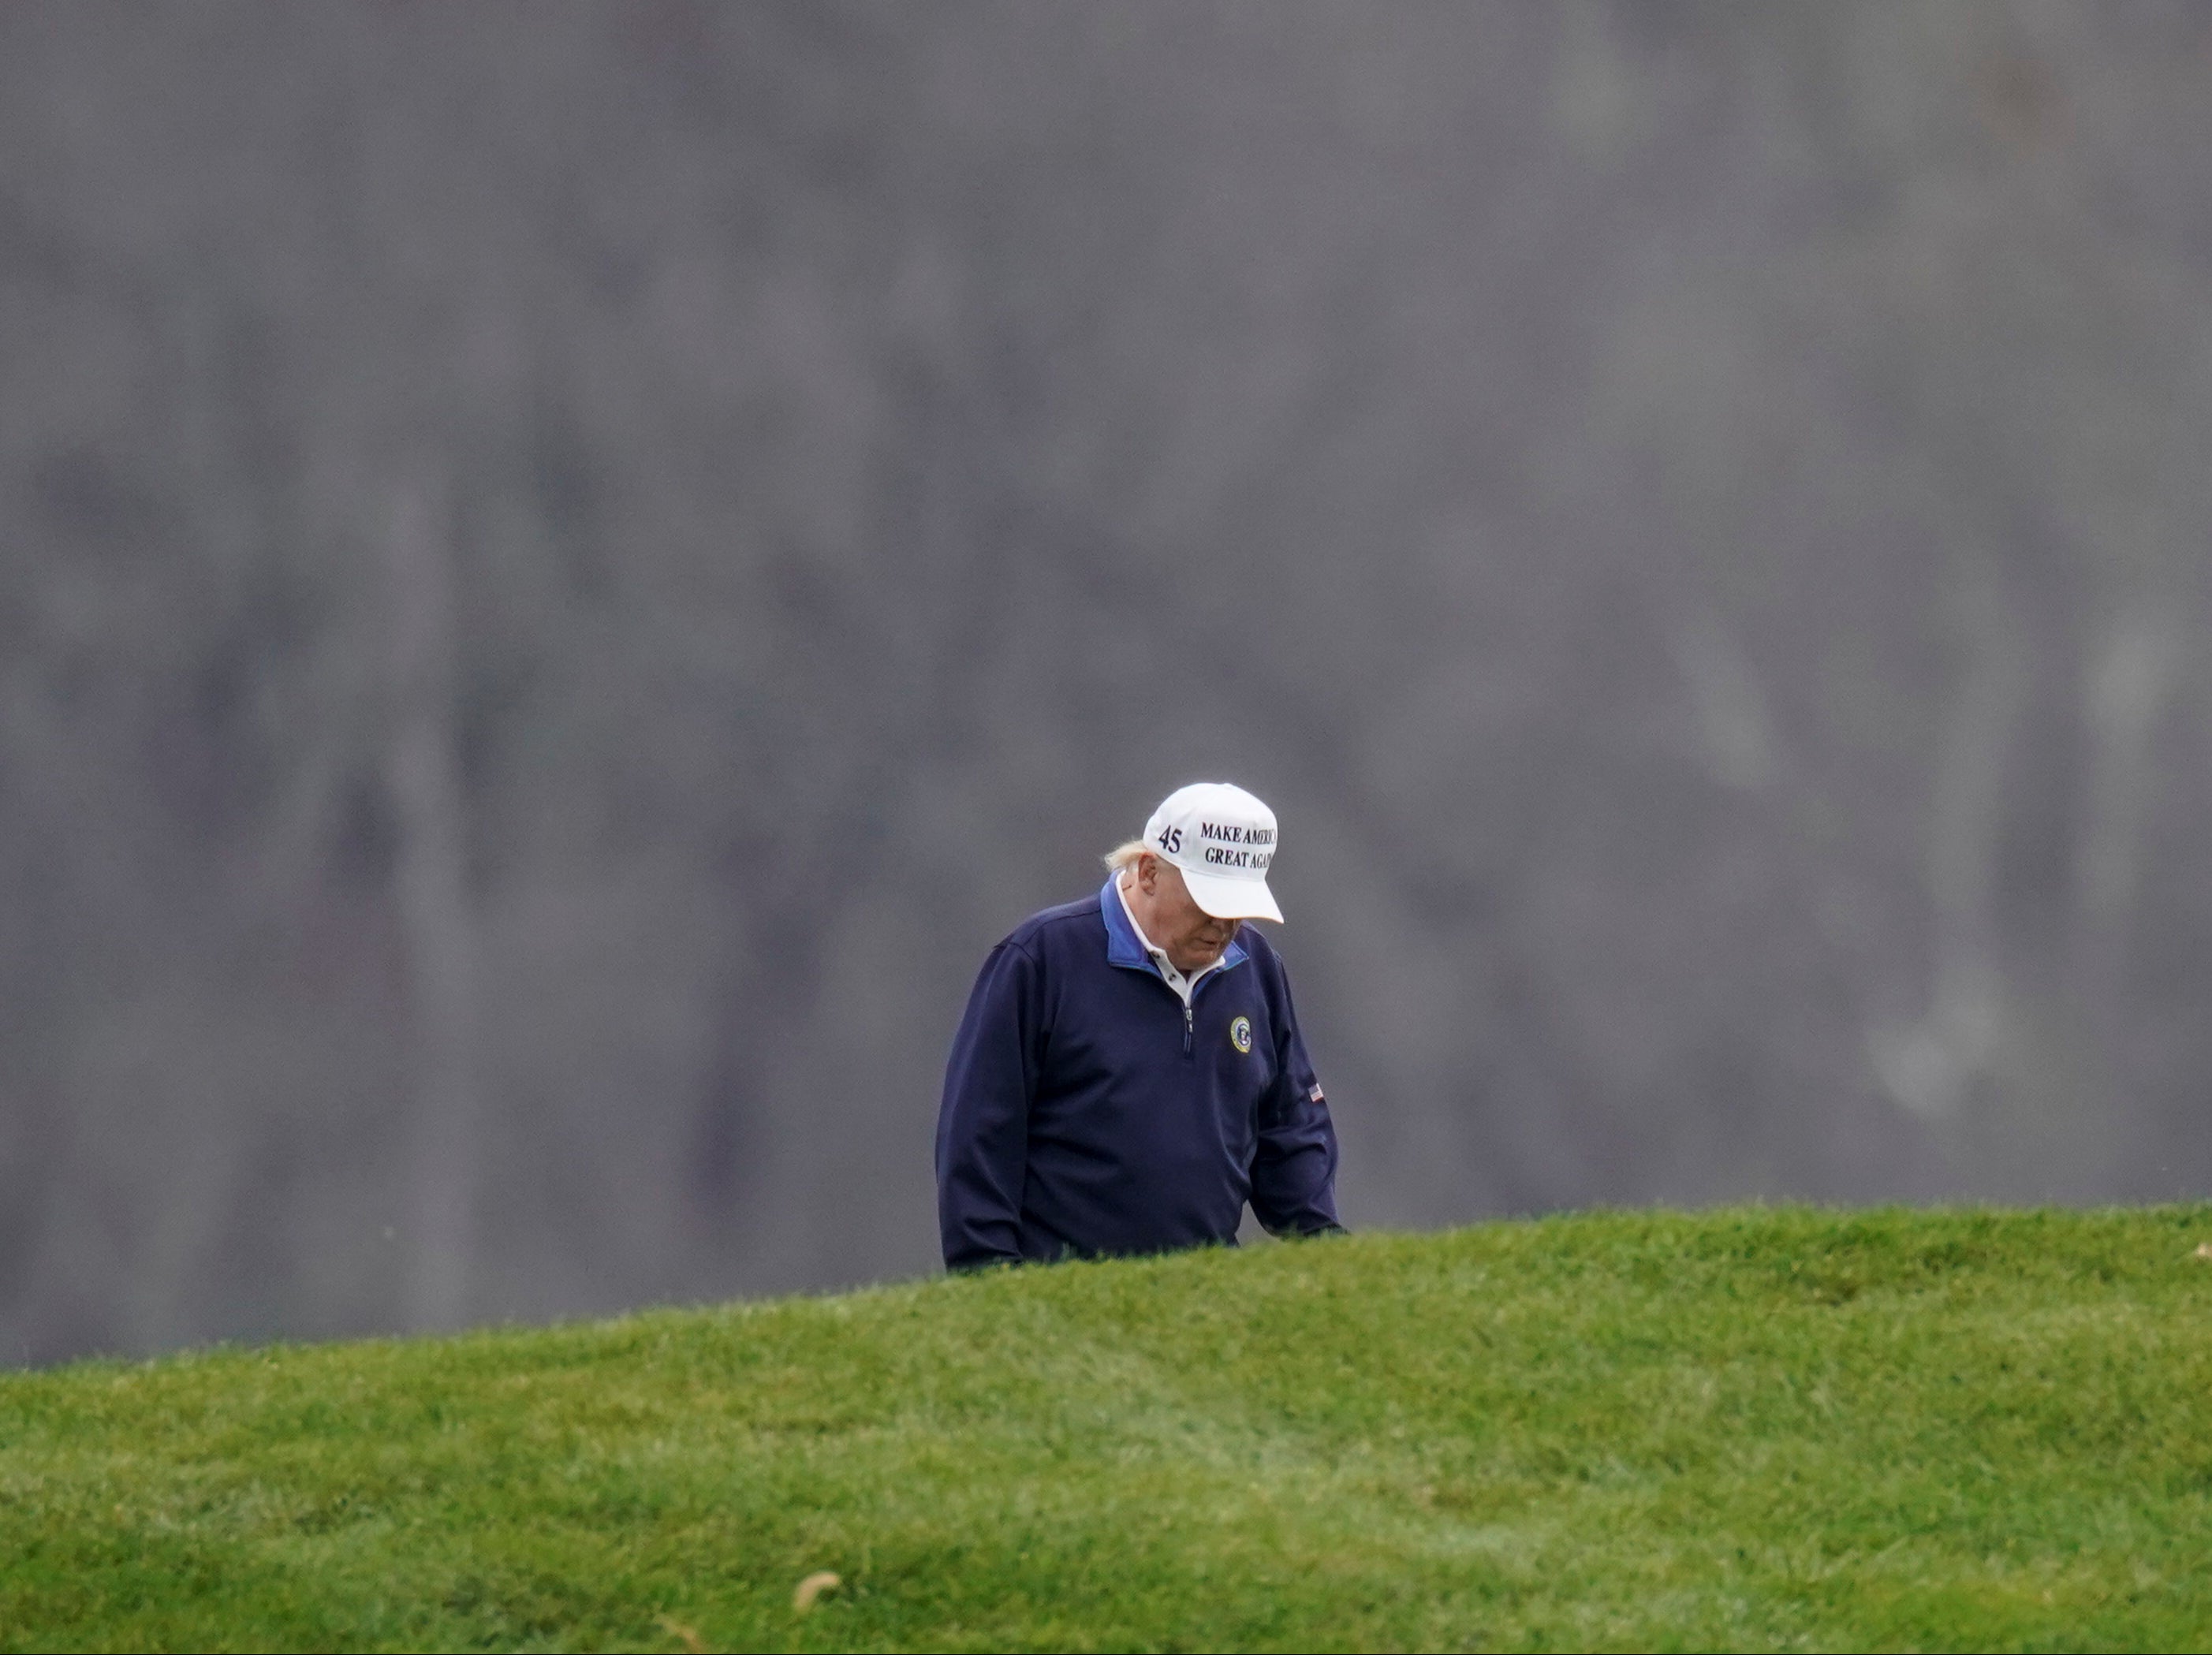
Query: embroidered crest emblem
[[1240, 1034]]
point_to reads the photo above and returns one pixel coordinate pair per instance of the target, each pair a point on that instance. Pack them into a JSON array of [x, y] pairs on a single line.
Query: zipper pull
[[1186, 1031]]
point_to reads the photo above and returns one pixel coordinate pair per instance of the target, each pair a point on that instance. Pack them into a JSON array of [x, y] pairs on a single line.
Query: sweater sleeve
[[1294, 1167], [983, 1125]]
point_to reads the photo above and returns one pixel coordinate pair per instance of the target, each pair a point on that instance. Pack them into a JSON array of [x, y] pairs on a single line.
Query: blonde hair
[[1124, 856]]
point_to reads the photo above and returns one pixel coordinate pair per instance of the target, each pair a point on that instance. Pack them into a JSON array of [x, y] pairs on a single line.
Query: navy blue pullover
[[1085, 1113]]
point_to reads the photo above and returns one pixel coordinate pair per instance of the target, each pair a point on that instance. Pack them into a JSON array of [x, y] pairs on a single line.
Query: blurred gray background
[[566, 570]]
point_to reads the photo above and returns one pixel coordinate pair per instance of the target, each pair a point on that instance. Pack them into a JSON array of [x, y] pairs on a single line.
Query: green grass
[[1749, 1429]]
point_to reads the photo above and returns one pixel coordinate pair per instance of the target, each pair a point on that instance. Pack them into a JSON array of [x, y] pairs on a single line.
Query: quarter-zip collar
[[1127, 945]]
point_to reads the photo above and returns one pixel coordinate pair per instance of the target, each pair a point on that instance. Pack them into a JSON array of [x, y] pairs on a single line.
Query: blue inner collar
[[1125, 947]]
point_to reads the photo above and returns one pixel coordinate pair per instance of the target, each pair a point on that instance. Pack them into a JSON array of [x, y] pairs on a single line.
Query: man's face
[[1193, 938]]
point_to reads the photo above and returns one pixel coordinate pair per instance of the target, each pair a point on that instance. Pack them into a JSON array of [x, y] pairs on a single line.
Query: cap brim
[[1225, 897]]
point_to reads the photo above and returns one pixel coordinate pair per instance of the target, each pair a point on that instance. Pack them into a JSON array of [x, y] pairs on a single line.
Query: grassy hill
[[1752, 1429]]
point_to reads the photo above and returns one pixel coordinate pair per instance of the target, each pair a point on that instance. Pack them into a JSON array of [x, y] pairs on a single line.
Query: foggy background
[[565, 571]]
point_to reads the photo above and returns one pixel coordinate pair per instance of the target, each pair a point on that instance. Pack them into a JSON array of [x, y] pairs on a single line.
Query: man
[[1129, 1072]]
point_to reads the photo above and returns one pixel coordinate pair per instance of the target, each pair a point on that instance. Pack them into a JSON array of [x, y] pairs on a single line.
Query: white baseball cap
[[1223, 840]]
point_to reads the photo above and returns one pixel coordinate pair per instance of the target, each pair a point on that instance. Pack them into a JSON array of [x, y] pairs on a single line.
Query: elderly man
[[1130, 1073]]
